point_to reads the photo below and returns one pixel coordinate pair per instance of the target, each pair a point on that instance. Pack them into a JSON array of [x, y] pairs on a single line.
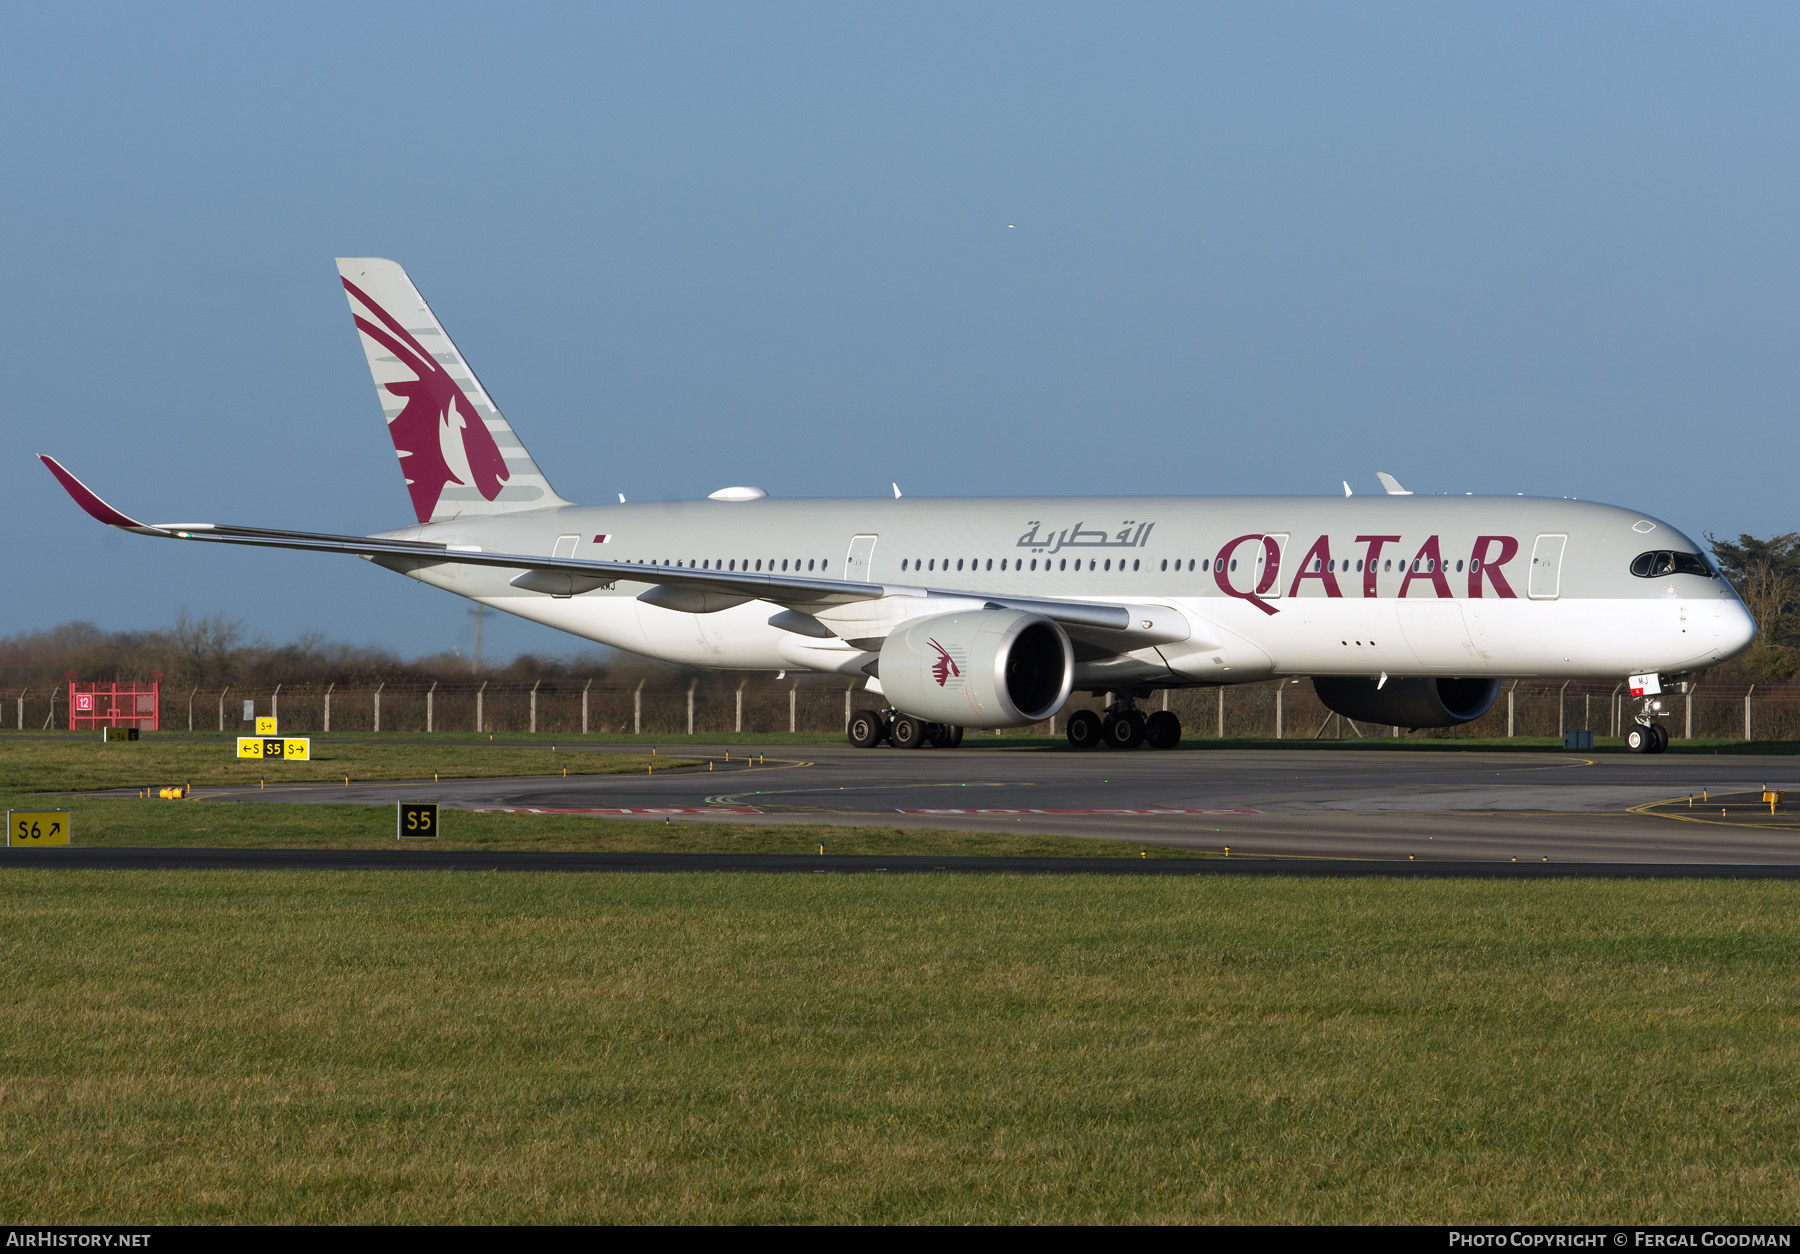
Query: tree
[[205, 645], [1766, 573]]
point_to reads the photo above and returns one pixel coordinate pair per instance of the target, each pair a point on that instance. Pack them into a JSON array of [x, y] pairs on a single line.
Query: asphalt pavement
[[1478, 806]]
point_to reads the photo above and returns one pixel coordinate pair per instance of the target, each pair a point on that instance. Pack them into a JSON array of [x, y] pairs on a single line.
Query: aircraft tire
[[906, 732], [866, 729], [1126, 731], [956, 735], [1640, 739], [938, 735], [1162, 730], [1084, 729], [1662, 737]]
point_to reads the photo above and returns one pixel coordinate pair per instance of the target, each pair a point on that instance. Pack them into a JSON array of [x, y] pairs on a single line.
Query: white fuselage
[[1404, 586]]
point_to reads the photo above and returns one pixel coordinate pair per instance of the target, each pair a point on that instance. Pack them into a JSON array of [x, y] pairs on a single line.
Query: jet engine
[[1408, 702], [983, 668]]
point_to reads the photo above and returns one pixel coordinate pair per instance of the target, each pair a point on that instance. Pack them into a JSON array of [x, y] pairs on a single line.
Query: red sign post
[[96, 704]]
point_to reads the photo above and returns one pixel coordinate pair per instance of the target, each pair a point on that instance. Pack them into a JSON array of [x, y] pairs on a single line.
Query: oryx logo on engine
[[945, 666]]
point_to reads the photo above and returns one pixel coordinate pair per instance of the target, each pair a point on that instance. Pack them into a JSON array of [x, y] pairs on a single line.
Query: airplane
[[1404, 609]]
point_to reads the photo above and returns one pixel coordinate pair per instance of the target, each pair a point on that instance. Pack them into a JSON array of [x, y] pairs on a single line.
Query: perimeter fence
[[720, 703]]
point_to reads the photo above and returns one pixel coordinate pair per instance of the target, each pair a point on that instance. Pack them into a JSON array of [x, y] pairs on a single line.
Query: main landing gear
[[868, 728], [1124, 726], [1647, 738]]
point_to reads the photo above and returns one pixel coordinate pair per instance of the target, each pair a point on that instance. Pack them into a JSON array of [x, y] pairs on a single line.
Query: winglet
[[85, 497]]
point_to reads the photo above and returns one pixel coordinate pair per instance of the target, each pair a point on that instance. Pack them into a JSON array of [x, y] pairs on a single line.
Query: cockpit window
[[1654, 565]]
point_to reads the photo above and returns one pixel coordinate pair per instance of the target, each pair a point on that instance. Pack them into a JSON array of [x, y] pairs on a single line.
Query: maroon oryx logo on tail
[[943, 668], [437, 423]]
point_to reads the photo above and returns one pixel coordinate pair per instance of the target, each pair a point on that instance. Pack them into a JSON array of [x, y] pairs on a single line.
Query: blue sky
[[1261, 248]]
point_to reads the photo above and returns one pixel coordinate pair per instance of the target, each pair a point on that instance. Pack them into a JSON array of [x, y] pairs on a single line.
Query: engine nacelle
[[1408, 702], [982, 668]]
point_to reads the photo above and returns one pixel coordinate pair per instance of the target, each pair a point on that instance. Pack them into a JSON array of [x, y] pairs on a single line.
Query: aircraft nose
[[1733, 629]]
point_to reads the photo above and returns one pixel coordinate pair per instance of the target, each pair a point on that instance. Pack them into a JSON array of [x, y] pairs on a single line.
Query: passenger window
[[959, 563], [1109, 563], [1165, 564], [1064, 566], [1034, 563], [1134, 564]]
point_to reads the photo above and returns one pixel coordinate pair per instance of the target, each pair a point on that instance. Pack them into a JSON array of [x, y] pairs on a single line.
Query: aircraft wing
[[675, 587]]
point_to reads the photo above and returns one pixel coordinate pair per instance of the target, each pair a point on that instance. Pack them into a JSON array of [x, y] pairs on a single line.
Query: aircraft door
[[1275, 578], [862, 553], [1546, 567], [565, 546]]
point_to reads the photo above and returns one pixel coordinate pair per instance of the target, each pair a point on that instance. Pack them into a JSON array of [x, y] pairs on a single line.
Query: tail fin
[[458, 454]]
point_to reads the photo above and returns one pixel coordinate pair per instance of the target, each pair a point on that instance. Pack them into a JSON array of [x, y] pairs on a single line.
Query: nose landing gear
[[1646, 735]]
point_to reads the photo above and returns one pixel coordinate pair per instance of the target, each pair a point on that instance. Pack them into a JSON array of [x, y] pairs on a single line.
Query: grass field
[[83, 762], [27, 765], [209, 825], [335, 1047]]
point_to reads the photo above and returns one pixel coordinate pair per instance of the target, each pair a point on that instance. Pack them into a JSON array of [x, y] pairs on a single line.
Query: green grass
[[105, 822], [27, 765], [417, 1047], [84, 762]]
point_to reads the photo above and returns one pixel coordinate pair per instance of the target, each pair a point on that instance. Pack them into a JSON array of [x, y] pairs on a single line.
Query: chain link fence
[[716, 704]]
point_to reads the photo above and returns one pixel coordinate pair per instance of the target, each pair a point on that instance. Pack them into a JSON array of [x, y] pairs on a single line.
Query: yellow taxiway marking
[[1684, 815]]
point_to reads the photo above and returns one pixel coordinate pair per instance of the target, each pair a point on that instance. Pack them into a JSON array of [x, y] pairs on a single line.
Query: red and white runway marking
[[611, 810], [1150, 812]]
